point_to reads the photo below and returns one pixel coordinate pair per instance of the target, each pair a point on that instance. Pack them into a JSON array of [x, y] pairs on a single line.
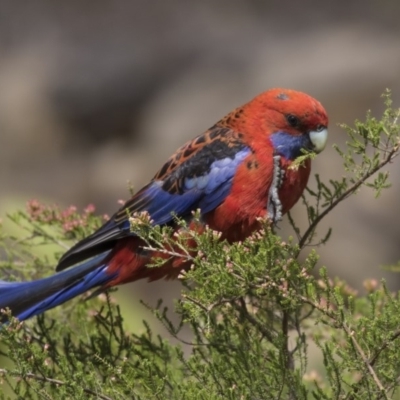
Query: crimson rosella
[[234, 173]]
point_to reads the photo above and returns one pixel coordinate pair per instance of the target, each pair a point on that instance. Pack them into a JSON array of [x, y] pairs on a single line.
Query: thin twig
[[198, 304], [253, 321], [360, 351], [385, 344], [53, 381], [350, 334], [289, 362], [393, 385], [40, 232], [168, 252], [347, 193]]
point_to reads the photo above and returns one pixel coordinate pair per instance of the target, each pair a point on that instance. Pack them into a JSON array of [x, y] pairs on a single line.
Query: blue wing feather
[[201, 180]]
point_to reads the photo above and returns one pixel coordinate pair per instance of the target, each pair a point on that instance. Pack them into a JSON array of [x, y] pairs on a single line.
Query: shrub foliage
[[254, 309]]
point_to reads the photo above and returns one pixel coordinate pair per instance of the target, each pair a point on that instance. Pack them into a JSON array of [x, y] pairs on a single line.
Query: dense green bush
[[254, 309]]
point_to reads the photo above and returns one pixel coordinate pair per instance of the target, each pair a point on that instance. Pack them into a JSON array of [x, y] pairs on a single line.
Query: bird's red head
[[291, 120], [290, 111]]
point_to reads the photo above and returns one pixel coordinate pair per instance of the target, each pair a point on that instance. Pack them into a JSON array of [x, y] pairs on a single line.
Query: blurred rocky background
[[96, 93]]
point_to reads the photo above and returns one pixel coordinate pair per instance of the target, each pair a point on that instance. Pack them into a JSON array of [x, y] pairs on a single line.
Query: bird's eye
[[293, 120], [320, 128]]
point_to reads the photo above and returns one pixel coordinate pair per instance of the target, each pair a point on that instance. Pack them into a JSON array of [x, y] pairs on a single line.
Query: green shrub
[[254, 309]]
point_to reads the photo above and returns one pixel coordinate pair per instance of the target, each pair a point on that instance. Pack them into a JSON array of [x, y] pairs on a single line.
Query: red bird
[[235, 172]]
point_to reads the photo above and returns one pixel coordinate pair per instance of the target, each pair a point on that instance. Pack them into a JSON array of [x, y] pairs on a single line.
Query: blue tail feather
[[27, 299]]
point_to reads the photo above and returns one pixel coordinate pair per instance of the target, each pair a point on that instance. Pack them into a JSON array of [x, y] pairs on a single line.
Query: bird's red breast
[[265, 115]]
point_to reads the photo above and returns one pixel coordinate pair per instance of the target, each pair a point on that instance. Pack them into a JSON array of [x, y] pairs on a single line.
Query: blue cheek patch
[[290, 146]]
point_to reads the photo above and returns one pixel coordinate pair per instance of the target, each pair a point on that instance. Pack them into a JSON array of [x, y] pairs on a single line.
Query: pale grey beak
[[319, 139]]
